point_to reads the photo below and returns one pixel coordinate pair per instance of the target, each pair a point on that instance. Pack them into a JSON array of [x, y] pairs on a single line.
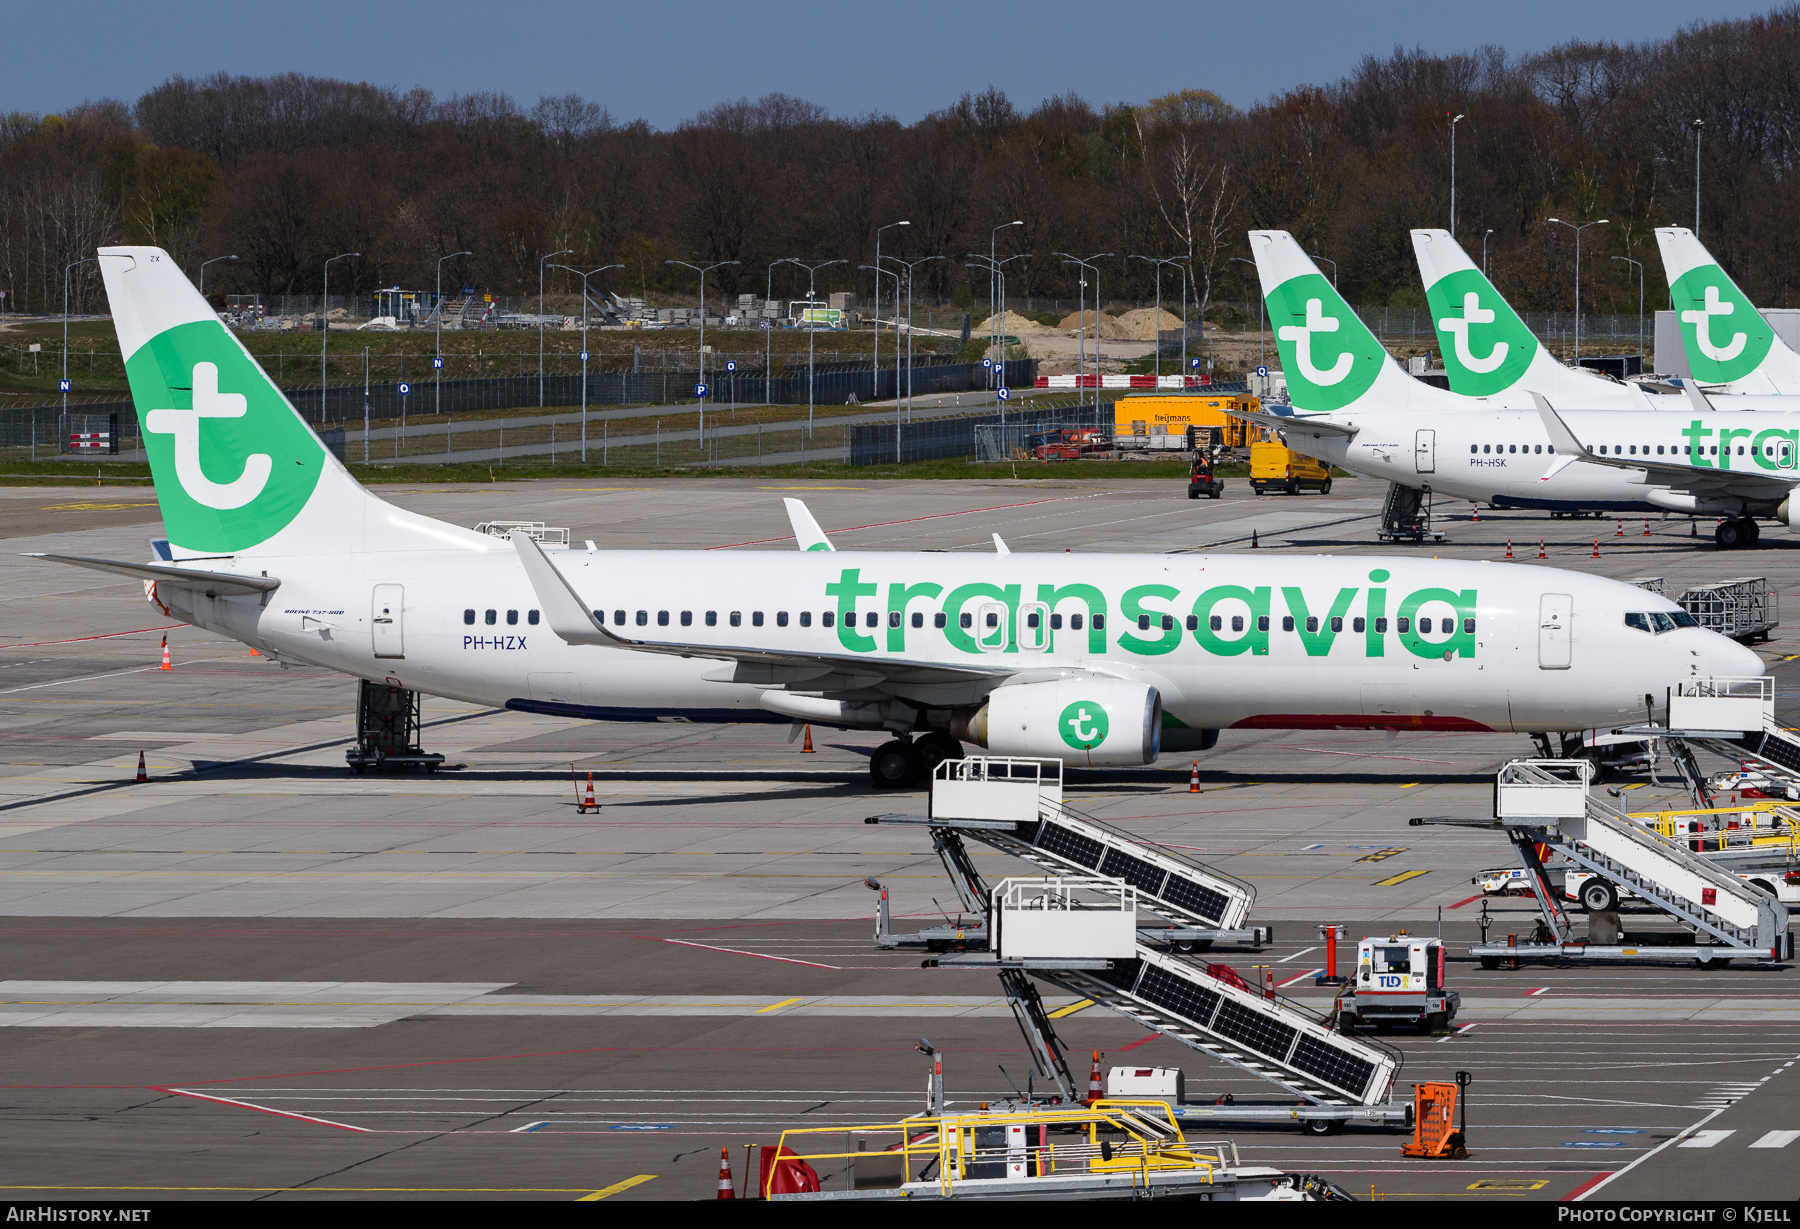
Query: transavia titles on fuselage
[[1099, 659]]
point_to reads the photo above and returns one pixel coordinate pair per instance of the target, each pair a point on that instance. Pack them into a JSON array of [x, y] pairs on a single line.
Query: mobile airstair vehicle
[[1547, 805], [1079, 929]]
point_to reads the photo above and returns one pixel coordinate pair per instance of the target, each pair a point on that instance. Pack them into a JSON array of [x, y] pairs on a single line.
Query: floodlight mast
[[811, 271], [875, 356], [63, 383], [325, 327], [437, 373], [703, 272], [541, 262], [586, 293], [1578, 229]]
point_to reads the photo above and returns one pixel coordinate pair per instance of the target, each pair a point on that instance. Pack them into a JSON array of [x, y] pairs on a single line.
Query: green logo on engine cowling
[[232, 462], [1082, 725], [1486, 346], [1726, 337], [1328, 356]]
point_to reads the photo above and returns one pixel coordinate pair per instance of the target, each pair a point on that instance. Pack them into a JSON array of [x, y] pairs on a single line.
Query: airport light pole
[[811, 274], [875, 357], [1578, 229], [910, 266], [702, 272], [1261, 307], [541, 262], [325, 328], [878, 271], [215, 260], [437, 369], [1640, 268], [1484, 239], [1089, 263], [1453, 123], [994, 282], [769, 329], [585, 293], [64, 382], [1159, 262], [1698, 125], [1330, 262]]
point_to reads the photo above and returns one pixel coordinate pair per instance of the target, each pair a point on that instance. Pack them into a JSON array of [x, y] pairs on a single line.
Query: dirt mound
[[1016, 325], [1144, 323], [1110, 328]]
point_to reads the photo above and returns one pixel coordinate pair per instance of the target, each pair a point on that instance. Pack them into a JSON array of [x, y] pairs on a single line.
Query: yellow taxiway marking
[[1409, 785], [1402, 877], [1382, 854], [92, 507], [1071, 1009], [776, 1006], [1508, 1184], [606, 1191]]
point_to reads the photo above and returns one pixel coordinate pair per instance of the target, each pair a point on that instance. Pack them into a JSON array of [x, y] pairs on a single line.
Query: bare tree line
[[285, 171]]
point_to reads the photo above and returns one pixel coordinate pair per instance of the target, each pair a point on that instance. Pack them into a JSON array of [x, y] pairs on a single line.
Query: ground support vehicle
[[1202, 481], [1406, 516], [387, 730], [1111, 1149], [1546, 804], [1274, 467], [1399, 980], [1079, 930]]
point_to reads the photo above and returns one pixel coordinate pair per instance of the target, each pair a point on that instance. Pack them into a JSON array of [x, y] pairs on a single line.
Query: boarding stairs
[[1406, 516], [1547, 804], [1735, 718], [1016, 806]]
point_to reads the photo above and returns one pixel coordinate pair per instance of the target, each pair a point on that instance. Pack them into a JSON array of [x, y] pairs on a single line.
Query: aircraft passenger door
[[991, 630], [1034, 627], [1555, 616], [386, 621], [1425, 451]]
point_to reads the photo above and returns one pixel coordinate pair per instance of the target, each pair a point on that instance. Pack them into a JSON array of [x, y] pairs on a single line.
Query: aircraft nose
[[1729, 659]]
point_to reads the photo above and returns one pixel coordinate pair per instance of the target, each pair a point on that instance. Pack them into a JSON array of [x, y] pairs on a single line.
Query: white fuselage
[[1500, 456], [462, 627]]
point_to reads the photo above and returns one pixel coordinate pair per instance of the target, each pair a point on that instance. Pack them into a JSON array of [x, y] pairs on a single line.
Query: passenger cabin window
[[712, 618], [687, 618], [1468, 627], [1099, 622], [468, 616], [1143, 623], [828, 618], [1400, 625], [1381, 627], [512, 618], [1262, 623], [894, 619], [968, 620], [531, 617], [737, 618], [1287, 623], [618, 618], [490, 618], [1337, 625], [940, 619], [1356, 625], [643, 618], [1193, 623], [756, 618], [806, 618], [662, 618], [918, 620], [781, 618], [1424, 627]]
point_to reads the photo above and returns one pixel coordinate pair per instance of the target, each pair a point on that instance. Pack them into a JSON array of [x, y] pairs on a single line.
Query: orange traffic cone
[[1194, 779], [806, 748], [253, 653], [165, 664], [1596, 548], [1253, 539], [1540, 548], [588, 804], [1509, 553], [1096, 1086], [1646, 526], [142, 775], [726, 1189], [1477, 511], [1621, 529], [1693, 528]]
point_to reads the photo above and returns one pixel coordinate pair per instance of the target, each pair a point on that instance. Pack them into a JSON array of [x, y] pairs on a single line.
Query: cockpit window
[[1639, 621], [1661, 622], [1684, 619]]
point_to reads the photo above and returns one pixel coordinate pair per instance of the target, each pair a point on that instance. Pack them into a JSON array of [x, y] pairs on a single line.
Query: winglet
[[569, 618], [1000, 547], [1690, 387], [806, 530], [1568, 449]]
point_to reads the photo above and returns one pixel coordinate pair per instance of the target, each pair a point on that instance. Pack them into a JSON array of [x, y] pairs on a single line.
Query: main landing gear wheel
[[1741, 531], [934, 748], [895, 765]]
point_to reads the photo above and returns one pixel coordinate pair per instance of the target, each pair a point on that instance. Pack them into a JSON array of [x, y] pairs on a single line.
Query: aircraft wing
[[1314, 425], [1570, 450], [212, 582], [574, 623]]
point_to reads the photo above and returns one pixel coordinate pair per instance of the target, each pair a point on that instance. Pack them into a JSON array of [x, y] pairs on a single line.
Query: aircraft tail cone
[[165, 661], [806, 748], [727, 1190], [142, 775]]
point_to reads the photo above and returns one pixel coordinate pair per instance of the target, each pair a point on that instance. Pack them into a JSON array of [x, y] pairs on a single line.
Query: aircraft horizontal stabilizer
[[1296, 423], [213, 582]]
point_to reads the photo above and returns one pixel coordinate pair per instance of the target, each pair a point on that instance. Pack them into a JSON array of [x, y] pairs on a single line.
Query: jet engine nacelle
[[1084, 720]]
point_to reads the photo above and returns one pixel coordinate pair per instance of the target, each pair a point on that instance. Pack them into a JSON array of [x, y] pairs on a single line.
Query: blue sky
[[664, 61]]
